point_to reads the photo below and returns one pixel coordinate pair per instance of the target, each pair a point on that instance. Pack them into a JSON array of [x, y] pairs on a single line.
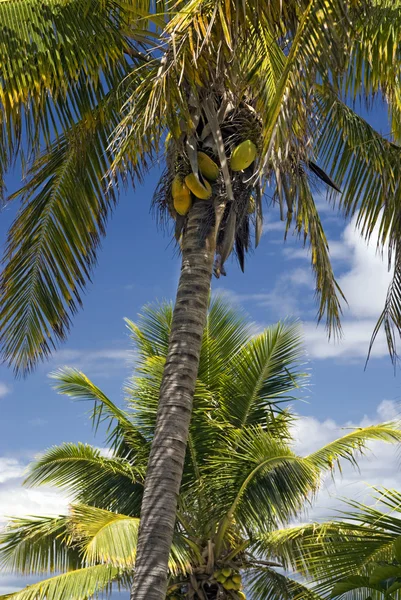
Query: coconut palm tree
[[236, 96], [242, 480]]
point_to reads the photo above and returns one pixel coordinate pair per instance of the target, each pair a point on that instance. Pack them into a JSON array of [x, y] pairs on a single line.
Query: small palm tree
[[242, 481], [93, 92]]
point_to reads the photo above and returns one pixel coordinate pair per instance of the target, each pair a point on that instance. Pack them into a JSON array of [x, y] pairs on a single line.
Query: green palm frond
[[105, 537], [390, 318], [259, 480], [123, 437], [53, 242], [112, 483], [366, 165], [300, 547], [377, 45], [263, 373], [265, 583], [262, 482], [75, 585], [348, 446], [37, 545], [329, 552], [241, 378], [150, 335], [110, 538], [227, 330], [308, 224], [61, 57], [335, 551]]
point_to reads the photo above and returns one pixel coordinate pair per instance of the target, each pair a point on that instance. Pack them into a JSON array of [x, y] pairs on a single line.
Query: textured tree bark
[[167, 454]]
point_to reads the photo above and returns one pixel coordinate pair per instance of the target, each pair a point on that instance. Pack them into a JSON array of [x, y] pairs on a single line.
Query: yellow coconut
[[181, 196], [226, 571], [200, 191], [207, 166], [236, 578], [229, 585], [241, 595], [243, 156]]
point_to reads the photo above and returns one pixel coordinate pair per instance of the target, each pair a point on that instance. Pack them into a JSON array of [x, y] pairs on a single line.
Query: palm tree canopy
[[93, 92], [242, 479]]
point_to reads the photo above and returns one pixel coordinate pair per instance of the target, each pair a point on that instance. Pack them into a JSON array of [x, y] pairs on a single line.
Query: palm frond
[[265, 583], [53, 242], [262, 374], [76, 585], [111, 483], [105, 537], [151, 334], [61, 58], [335, 551], [37, 545], [259, 480], [390, 318], [123, 437], [110, 538], [308, 223], [349, 445], [227, 330], [366, 166], [375, 58]]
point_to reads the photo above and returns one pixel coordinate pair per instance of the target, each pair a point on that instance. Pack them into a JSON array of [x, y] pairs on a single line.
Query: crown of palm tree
[[242, 480], [90, 89]]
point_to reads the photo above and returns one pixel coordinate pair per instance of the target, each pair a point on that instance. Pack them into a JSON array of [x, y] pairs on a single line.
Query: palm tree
[[92, 93], [242, 481]]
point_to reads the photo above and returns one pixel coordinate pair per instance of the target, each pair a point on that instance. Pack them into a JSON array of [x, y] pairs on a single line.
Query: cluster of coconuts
[[242, 157], [230, 580]]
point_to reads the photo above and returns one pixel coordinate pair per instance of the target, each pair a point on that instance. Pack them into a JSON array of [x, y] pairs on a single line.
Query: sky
[[139, 264]]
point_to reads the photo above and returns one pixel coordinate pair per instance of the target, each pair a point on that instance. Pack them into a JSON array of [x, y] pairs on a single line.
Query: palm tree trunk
[[167, 454]]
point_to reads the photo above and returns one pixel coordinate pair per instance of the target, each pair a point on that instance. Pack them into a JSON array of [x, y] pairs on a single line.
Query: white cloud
[[98, 362], [354, 343], [38, 422], [338, 251], [281, 300], [270, 225], [10, 468], [380, 466], [364, 284], [15, 500], [4, 389]]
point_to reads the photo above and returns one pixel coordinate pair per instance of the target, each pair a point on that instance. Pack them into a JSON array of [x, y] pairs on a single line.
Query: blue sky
[[139, 264]]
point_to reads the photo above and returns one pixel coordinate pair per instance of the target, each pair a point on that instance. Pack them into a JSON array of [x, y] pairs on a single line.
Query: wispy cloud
[[10, 468], [15, 500], [4, 389], [364, 282], [281, 300], [338, 251], [273, 225], [101, 362], [380, 466]]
